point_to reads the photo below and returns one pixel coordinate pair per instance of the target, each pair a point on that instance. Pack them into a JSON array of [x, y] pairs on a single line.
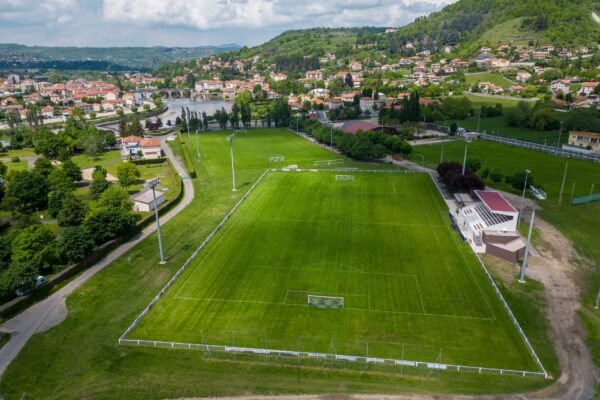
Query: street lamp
[[527, 172], [152, 184], [537, 195], [230, 139], [467, 141]]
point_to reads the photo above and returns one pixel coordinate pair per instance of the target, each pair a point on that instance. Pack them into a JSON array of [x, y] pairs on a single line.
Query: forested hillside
[[559, 22]]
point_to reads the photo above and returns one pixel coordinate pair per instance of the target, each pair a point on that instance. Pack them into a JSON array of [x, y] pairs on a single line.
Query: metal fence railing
[[561, 152], [329, 356]]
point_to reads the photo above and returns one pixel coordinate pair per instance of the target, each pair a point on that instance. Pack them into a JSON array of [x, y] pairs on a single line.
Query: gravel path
[[53, 310]]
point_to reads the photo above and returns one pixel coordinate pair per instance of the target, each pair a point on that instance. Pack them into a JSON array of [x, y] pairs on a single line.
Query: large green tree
[[128, 174], [26, 191]]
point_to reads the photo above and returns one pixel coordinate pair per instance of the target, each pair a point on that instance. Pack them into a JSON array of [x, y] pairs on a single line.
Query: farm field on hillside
[[494, 78]]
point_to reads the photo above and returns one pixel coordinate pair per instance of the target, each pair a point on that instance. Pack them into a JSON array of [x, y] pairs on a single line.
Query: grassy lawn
[[16, 166], [579, 223], [498, 126], [26, 152], [109, 160], [492, 77], [80, 358], [510, 31], [489, 100], [424, 294]]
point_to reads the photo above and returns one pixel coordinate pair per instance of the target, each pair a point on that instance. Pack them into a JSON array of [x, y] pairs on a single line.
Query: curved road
[[52, 310]]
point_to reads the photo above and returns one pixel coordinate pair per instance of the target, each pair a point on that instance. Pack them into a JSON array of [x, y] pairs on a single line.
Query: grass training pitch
[[411, 289]]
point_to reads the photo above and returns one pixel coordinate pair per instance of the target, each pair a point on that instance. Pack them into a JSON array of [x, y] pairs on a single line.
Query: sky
[[190, 22]]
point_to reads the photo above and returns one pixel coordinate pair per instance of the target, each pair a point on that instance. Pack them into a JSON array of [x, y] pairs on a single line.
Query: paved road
[[52, 311]]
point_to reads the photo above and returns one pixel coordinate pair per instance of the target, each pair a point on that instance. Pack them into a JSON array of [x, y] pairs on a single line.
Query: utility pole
[[230, 139], [152, 184], [527, 172], [562, 186]]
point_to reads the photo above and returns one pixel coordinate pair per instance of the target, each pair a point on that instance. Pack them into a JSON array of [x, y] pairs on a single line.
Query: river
[[200, 106]]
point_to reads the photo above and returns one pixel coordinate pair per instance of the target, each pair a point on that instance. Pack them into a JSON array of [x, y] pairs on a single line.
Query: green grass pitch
[[411, 289]]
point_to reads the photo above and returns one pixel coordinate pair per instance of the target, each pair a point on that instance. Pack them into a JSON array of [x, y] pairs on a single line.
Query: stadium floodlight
[[230, 140], [467, 141], [538, 194], [152, 184], [527, 172]]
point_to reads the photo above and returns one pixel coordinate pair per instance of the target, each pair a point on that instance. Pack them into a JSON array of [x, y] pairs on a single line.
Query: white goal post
[[325, 301], [329, 162], [344, 178], [276, 159]]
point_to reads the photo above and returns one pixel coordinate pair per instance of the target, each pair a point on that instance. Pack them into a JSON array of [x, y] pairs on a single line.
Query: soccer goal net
[[329, 162], [277, 159], [344, 178], [325, 301]]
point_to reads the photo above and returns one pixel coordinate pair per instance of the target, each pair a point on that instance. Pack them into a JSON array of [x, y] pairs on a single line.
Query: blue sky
[[190, 22]]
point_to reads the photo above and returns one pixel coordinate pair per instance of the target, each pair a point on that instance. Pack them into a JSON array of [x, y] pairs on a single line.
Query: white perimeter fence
[[324, 356]]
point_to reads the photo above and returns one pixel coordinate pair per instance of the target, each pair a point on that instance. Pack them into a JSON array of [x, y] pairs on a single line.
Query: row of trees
[[31, 248], [363, 145], [409, 110]]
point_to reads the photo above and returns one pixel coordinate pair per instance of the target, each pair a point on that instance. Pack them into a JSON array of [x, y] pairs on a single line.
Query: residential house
[[366, 104], [560, 85], [356, 66], [588, 88], [523, 76], [314, 75], [151, 148], [588, 140]]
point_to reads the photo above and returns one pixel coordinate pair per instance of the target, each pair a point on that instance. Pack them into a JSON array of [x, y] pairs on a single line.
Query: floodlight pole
[[537, 195], [442, 154], [524, 265], [478, 120], [559, 135], [230, 139], [527, 172], [197, 146], [331, 136], [152, 184], [597, 304], [464, 167], [562, 186]]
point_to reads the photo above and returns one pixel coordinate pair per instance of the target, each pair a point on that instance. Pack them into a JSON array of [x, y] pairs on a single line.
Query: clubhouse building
[[489, 223]]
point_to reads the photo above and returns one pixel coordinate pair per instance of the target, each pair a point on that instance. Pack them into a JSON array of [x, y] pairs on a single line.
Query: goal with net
[[325, 301], [329, 162], [344, 178], [277, 159]]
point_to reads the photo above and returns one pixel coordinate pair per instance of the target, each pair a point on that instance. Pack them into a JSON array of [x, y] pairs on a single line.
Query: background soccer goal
[[277, 159], [328, 162], [325, 301], [344, 178]]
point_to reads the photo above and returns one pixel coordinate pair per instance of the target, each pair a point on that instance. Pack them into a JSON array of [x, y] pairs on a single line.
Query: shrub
[[15, 159]]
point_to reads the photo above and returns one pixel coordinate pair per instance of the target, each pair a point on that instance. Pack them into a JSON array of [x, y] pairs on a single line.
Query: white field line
[[449, 316]]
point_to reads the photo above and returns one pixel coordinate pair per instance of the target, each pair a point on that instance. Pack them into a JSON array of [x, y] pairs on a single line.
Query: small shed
[[144, 202]]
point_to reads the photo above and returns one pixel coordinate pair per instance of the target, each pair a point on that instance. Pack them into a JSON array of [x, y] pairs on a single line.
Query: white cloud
[[23, 12], [210, 14]]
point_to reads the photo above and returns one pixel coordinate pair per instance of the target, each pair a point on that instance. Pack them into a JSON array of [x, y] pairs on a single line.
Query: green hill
[[471, 22], [103, 58], [316, 42]]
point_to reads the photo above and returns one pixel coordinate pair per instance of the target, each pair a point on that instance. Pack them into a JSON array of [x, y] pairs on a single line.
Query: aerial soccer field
[[363, 267]]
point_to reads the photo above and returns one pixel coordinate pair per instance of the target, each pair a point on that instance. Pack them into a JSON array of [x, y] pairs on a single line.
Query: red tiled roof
[[151, 142], [130, 139], [495, 202]]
